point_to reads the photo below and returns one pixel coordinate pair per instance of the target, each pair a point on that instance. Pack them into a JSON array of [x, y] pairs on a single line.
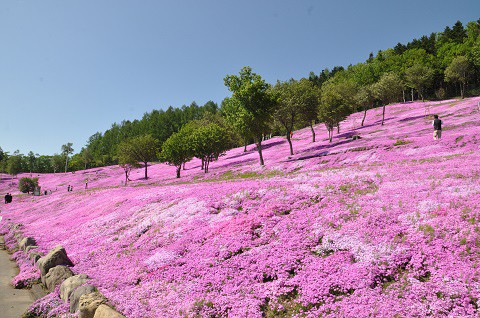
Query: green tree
[[86, 157], [56, 162], [14, 164], [252, 92], [176, 150], [66, 151], [458, 72], [365, 98], [336, 103], [27, 185], [238, 118], [32, 158], [388, 89], [142, 149], [208, 142], [296, 100], [419, 77], [3, 160], [2, 154], [43, 164], [127, 161]]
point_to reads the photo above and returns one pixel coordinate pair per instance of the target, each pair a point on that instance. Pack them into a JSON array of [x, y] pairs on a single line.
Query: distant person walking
[[437, 127]]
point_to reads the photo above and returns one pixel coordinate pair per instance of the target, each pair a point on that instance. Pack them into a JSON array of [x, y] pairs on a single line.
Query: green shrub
[[27, 185]]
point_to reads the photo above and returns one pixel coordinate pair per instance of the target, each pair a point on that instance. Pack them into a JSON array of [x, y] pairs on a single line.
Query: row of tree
[[17, 162], [437, 66]]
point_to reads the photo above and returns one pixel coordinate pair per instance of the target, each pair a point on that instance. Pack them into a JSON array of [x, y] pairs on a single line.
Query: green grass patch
[[359, 149], [232, 175], [428, 230], [401, 142]]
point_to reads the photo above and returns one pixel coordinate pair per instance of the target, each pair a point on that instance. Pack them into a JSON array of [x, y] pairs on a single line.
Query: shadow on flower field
[[386, 225]]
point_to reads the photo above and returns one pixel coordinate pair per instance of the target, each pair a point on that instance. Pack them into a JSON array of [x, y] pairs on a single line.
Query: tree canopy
[[140, 149]]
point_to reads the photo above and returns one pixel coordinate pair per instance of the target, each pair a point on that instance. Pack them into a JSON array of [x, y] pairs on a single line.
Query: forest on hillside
[[437, 66]]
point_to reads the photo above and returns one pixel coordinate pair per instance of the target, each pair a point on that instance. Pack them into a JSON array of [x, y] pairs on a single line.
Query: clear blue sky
[[71, 68]]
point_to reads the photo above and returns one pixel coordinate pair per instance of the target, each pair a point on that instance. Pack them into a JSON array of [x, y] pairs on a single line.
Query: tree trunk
[[338, 128], [383, 114], [245, 147], [179, 168], [126, 177], [364, 115], [289, 139], [146, 165], [66, 165], [184, 165], [203, 163], [412, 94], [462, 90], [313, 132], [330, 134], [403, 93], [207, 163], [259, 149]]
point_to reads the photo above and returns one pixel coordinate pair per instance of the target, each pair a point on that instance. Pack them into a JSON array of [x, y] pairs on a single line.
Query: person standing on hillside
[[437, 127], [8, 198]]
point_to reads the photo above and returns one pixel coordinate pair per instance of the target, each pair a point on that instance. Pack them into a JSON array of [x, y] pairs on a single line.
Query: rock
[[70, 284], [27, 241], [29, 248], [34, 257], [356, 137], [38, 291], [18, 236], [77, 293], [89, 303], [17, 226], [56, 276], [103, 311], [57, 256]]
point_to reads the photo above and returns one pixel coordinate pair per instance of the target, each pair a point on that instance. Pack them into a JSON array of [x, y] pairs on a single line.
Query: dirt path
[[13, 302]]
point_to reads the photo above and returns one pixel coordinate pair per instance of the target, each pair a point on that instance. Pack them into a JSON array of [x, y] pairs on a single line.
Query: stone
[[89, 303], [18, 236], [57, 256], [27, 241], [17, 226], [29, 248], [70, 284], [56, 276], [38, 291], [77, 293], [34, 257], [103, 311]]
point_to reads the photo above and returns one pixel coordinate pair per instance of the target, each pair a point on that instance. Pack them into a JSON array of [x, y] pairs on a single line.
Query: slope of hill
[[384, 225]]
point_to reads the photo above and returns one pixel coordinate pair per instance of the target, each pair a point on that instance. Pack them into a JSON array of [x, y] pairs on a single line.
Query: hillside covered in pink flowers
[[383, 226]]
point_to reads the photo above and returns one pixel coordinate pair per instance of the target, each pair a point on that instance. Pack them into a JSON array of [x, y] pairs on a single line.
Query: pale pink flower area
[[386, 225]]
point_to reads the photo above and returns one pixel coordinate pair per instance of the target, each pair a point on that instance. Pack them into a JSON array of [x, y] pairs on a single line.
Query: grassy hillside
[[384, 225]]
